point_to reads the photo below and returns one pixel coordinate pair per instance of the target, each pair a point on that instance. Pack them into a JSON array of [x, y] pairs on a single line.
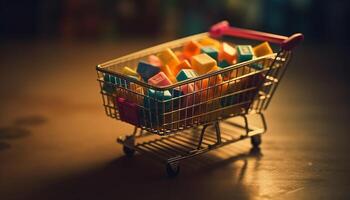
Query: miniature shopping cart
[[176, 128]]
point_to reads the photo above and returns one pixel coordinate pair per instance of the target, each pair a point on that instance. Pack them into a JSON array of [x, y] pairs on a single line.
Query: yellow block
[[208, 41], [202, 63], [262, 49], [169, 58], [130, 72], [167, 71]]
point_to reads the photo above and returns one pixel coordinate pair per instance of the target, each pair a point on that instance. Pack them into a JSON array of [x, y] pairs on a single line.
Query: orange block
[[208, 41], [202, 63], [183, 65], [190, 49], [180, 55], [211, 87], [228, 53], [169, 58], [237, 72], [167, 71]]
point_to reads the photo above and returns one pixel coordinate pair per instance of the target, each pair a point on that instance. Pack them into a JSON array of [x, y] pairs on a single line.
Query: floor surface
[[57, 143]]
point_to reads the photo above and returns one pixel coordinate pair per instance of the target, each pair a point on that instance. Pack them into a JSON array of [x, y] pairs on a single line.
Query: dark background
[[321, 21], [57, 143]]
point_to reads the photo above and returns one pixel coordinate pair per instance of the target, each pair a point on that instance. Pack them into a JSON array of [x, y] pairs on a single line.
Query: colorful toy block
[[154, 60], [190, 49], [155, 104], [202, 63], [228, 53], [167, 71], [128, 112], [236, 73], [159, 79], [185, 74], [207, 41], [136, 96], [169, 58], [130, 72], [121, 82], [155, 99], [210, 51], [189, 103], [190, 94], [241, 93], [176, 93], [109, 83], [180, 55], [211, 87], [147, 70], [231, 99], [262, 49], [223, 64], [244, 53], [183, 65], [257, 66]]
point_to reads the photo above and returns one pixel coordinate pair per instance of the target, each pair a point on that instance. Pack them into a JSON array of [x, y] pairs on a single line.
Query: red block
[[128, 112]]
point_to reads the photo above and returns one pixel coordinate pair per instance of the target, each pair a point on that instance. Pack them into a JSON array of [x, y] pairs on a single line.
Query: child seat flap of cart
[[195, 99]]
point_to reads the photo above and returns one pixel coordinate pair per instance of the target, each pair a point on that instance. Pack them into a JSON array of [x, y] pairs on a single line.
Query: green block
[[210, 51], [155, 104], [244, 52], [109, 83], [223, 64], [185, 74]]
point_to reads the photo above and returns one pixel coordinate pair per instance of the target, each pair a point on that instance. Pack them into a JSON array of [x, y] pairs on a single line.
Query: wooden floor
[[57, 143]]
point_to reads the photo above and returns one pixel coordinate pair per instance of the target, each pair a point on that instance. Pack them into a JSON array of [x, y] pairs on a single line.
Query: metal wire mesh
[[235, 90]]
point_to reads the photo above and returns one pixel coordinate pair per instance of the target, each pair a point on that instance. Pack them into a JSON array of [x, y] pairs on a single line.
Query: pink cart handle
[[224, 29]]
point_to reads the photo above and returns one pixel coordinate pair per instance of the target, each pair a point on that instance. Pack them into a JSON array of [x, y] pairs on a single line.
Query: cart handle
[[224, 29]]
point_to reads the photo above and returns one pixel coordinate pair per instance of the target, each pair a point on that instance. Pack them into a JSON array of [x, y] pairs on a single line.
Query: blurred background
[[57, 143], [320, 20]]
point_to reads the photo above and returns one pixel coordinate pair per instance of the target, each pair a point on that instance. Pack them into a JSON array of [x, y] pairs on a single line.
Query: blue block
[[210, 51], [147, 70], [185, 74], [244, 53]]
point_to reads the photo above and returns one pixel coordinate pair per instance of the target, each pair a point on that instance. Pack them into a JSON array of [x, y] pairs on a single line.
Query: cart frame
[[177, 142]]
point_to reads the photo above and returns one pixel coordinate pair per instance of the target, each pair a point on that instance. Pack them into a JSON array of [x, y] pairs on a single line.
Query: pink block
[[154, 60], [159, 79], [190, 100], [128, 112], [191, 94]]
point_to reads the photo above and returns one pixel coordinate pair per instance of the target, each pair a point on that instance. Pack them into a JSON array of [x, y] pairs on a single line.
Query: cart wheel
[[256, 140], [172, 169], [128, 151]]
